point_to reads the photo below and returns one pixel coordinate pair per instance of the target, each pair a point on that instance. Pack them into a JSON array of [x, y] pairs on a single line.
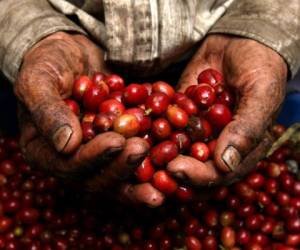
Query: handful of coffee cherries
[[171, 122]]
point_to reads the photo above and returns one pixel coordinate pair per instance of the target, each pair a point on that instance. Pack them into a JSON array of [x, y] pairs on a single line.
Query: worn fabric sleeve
[[148, 35], [22, 24], [273, 23]]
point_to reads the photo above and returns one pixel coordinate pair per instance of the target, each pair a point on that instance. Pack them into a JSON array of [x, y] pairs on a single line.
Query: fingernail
[[61, 137], [136, 159], [231, 158], [180, 175], [112, 152]]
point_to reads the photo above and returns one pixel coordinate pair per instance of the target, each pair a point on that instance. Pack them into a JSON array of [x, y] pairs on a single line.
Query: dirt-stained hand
[[258, 76]]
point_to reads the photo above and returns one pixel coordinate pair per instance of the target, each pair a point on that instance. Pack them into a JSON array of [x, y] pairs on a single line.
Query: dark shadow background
[[8, 108]]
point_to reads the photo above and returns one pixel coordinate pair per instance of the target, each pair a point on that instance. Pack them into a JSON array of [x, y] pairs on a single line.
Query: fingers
[[56, 122], [259, 101], [249, 162], [90, 157], [143, 193], [98, 152], [206, 174], [120, 168], [194, 171], [47, 77]]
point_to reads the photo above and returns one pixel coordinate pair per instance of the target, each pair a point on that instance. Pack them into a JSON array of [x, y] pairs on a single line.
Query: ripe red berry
[[93, 97], [5, 224], [242, 237], [145, 171], [88, 117], [228, 237], [163, 87], [157, 103], [88, 131], [184, 194], [210, 218], [135, 94], [144, 120], [182, 140], [253, 222], [112, 106], [98, 78], [7, 167], [255, 180], [126, 125], [102, 123], [293, 225], [226, 218], [73, 105], [148, 87], [283, 198], [219, 89], [200, 151], [164, 182], [293, 240], [267, 226], [278, 130], [204, 96], [219, 116], [117, 95], [28, 215], [273, 170], [165, 243], [177, 117], [81, 85], [187, 105], [244, 191], [286, 181], [225, 98], [192, 243], [198, 129], [210, 76], [296, 188], [190, 90], [161, 129], [115, 83], [163, 153], [210, 242]]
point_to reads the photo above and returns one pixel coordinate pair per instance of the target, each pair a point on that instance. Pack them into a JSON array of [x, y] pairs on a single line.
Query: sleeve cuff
[[266, 33], [30, 35]]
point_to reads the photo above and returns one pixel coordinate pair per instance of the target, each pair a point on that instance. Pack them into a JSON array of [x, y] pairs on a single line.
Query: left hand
[[51, 134], [258, 76]]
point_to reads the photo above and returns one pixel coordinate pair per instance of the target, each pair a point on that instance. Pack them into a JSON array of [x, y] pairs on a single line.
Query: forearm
[[22, 24], [273, 23]]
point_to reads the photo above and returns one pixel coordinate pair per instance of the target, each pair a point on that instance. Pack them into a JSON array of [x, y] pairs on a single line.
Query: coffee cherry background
[[38, 211]]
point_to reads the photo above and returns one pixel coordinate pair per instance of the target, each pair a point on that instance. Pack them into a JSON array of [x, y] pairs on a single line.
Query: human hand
[[258, 76], [51, 134]]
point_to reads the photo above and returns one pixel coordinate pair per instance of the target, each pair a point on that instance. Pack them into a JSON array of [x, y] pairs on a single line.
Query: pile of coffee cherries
[[261, 212], [173, 123]]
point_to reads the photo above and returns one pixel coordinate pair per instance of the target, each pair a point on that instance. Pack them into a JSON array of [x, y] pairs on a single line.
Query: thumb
[[259, 102], [207, 56], [53, 119]]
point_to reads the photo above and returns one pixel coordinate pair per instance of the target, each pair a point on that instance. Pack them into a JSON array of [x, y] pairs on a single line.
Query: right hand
[[51, 134]]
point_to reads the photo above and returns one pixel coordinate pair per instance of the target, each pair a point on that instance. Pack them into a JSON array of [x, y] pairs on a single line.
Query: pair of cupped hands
[[51, 137]]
